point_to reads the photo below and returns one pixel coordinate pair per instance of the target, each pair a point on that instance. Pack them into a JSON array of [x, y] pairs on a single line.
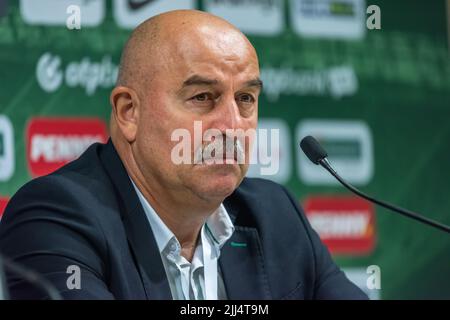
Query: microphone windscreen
[[313, 149]]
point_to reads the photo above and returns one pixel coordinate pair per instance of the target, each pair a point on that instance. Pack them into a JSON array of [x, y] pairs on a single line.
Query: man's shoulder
[[77, 186], [84, 172]]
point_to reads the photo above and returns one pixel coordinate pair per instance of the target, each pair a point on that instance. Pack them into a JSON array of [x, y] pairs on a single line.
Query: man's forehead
[[227, 44], [211, 67], [203, 42]]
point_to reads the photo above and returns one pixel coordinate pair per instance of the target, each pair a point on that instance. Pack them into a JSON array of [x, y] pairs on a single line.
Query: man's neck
[[185, 221], [183, 213]]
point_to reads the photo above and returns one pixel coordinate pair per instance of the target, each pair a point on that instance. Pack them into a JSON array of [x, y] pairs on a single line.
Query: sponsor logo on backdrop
[[138, 4], [261, 17], [329, 18], [89, 74], [7, 154], [52, 73], [48, 72], [54, 12], [53, 142], [3, 203], [345, 224], [342, 81], [349, 146], [271, 148], [129, 13], [334, 81], [361, 277]]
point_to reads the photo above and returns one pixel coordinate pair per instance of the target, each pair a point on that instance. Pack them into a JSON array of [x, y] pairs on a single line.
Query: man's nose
[[226, 115]]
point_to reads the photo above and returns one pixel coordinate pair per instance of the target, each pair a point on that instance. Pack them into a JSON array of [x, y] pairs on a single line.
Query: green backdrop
[[403, 95]]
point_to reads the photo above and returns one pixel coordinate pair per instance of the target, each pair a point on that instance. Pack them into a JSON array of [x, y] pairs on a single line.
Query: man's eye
[[202, 97], [246, 98]]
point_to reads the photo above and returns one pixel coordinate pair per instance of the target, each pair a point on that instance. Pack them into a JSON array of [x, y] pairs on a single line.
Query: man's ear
[[125, 110]]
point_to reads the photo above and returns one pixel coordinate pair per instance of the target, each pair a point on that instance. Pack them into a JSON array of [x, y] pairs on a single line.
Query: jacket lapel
[[139, 233], [242, 262]]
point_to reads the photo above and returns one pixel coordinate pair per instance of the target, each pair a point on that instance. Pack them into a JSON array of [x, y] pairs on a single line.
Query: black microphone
[[318, 155]]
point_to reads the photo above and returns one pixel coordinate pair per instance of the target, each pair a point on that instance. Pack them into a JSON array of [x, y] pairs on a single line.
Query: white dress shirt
[[201, 278]]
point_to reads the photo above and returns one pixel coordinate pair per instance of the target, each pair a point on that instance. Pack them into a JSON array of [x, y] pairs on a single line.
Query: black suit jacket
[[88, 214]]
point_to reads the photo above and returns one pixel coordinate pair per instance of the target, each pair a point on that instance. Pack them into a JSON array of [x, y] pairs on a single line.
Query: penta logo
[[53, 142], [345, 224]]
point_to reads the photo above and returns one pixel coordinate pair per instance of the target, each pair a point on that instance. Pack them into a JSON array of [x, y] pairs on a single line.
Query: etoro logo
[[3, 203], [345, 224], [53, 142]]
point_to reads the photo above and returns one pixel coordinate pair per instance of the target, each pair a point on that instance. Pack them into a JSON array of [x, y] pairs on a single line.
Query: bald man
[[126, 221]]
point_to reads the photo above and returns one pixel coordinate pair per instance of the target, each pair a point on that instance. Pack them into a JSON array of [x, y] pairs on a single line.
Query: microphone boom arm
[[325, 164]]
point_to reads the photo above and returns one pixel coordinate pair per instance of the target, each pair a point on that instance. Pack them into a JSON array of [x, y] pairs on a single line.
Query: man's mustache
[[221, 149]]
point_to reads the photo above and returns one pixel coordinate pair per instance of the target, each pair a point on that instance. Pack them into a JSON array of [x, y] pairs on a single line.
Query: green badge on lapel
[[238, 244]]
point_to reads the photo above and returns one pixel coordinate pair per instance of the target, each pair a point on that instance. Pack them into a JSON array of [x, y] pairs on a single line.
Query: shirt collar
[[218, 226], [162, 233]]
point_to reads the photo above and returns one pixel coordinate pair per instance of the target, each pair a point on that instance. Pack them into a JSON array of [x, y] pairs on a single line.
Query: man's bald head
[[150, 44]]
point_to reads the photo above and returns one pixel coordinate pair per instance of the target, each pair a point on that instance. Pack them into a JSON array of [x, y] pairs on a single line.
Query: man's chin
[[218, 186], [217, 181]]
